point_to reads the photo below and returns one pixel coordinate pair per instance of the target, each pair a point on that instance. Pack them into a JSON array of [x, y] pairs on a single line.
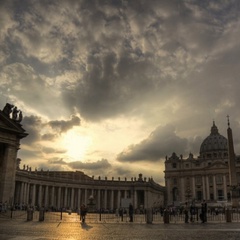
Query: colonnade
[[71, 197]]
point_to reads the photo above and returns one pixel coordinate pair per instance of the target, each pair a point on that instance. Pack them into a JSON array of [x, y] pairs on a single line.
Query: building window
[[175, 194], [187, 165], [199, 195], [220, 195], [219, 179], [175, 181], [209, 155], [198, 180], [211, 196], [174, 165], [210, 180]]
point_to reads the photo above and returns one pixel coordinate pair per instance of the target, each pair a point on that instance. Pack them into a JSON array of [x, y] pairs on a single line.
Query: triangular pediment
[[217, 164], [9, 125]]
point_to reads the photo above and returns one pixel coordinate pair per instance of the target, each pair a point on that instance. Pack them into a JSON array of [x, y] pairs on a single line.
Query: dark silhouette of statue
[[8, 109], [15, 113], [20, 116]]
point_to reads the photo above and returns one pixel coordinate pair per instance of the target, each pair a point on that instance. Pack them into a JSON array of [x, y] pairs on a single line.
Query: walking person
[[83, 212], [204, 211], [130, 212], [192, 212], [186, 212]]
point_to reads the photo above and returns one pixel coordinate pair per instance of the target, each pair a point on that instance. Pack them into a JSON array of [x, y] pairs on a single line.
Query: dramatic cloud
[[161, 142], [83, 166], [171, 66], [63, 126]]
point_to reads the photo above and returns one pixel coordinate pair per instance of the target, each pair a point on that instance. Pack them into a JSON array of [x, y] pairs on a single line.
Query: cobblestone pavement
[[35, 230]]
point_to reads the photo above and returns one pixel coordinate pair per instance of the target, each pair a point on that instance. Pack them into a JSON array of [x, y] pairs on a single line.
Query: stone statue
[[8, 109], [20, 116], [14, 113]]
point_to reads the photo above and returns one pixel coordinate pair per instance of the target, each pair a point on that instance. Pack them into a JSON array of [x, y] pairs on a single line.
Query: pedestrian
[[130, 209], [186, 212], [204, 211], [192, 213], [83, 213], [121, 213]]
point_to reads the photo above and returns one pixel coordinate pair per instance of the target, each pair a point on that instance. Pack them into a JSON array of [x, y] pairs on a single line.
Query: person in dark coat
[[204, 211], [83, 212], [186, 212], [130, 212]]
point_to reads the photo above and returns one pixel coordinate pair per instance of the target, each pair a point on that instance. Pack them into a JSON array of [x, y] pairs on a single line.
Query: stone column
[[224, 187], [98, 198], [193, 188], [65, 197], [207, 188], [125, 193], [17, 193], [214, 188], [168, 189], [79, 198], [40, 196], [146, 203], [59, 205], [8, 173], [46, 200], [72, 198], [118, 198], [105, 198], [135, 200], [183, 198], [204, 187], [22, 193], [52, 197], [27, 193], [112, 200], [34, 195]]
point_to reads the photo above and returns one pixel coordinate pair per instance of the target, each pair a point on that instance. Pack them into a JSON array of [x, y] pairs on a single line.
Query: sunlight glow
[[76, 144]]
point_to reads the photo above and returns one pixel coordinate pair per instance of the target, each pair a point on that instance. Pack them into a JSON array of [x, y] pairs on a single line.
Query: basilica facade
[[211, 176]]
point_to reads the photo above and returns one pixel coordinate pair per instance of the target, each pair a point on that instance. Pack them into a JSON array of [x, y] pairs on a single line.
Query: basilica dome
[[215, 145]]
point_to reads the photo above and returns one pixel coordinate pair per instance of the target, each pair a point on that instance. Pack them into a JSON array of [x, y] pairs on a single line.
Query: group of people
[[191, 210], [83, 212]]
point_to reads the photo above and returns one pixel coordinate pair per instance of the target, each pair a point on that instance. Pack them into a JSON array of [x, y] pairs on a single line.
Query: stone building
[[63, 189], [11, 132], [68, 190], [211, 176]]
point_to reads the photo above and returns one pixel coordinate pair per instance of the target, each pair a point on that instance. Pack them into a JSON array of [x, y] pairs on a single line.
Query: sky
[[112, 87]]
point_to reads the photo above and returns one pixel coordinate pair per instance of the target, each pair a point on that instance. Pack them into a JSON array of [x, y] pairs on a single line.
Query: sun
[[77, 143]]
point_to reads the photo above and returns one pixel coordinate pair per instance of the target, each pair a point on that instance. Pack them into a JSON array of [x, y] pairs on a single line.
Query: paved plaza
[[11, 229]]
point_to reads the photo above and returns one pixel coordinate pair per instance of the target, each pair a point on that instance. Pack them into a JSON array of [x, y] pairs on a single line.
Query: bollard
[[149, 216], [41, 214], [166, 216], [228, 215], [29, 214], [62, 214]]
